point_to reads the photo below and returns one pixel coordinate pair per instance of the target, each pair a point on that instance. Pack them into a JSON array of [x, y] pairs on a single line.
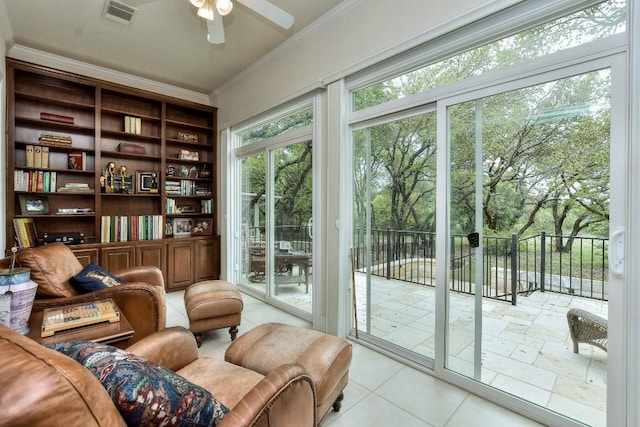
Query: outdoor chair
[[587, 328]]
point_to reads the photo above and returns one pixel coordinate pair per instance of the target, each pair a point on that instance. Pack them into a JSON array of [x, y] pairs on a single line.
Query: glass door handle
[[616, 252]]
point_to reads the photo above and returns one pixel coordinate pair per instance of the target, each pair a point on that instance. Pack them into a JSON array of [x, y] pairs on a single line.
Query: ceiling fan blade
[[270, 11], [216, 28]]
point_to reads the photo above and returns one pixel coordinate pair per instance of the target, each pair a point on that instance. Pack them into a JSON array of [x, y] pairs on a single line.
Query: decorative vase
[[17, 293]]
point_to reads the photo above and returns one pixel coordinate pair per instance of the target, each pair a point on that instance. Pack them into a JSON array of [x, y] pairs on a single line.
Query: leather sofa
[[41, 387], [141, 300]]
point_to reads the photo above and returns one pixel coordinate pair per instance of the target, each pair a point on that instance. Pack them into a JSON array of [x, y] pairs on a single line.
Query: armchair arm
[[173, 348], [285, 397], [142, 304], [147, 274]]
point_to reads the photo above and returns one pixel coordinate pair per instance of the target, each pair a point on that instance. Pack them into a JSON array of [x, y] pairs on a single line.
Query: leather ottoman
[[326, 358], [213, 304]]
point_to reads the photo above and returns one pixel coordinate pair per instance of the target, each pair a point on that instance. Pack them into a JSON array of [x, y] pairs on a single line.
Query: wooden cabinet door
[[180, 271], [207, 260], [152, 254], [114, 258], [86, 255]]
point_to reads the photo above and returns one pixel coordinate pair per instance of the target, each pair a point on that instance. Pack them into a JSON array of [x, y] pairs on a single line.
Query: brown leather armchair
[[141, 300], [41, 387]]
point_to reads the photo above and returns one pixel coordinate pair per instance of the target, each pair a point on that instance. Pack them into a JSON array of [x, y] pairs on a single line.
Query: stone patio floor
[[526, 350]]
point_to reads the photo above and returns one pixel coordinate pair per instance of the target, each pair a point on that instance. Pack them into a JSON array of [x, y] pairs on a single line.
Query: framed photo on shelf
[[168, 228], [202, 227], [146, 182], [182, 227], [33, 205]]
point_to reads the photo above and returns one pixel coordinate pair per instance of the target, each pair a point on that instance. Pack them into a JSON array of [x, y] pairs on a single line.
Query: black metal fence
[[510, 266], [299, 236]]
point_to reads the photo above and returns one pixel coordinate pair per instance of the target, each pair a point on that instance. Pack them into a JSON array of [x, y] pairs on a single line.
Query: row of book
[[130, 228], [36, 156], [26, 234], [132, 125], [187, 188], [206, 206], [34, 181], [180, 188]]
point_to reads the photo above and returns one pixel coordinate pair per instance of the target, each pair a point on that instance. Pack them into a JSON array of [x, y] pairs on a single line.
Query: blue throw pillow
[[144, 392], [93, 278]]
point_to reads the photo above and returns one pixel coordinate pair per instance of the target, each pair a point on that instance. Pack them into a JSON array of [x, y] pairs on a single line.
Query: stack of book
[[172, 188], [55, 139], [75, 186], [203, 190]]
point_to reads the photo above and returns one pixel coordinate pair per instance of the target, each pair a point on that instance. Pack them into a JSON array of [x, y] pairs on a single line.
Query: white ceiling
[[165, 41]]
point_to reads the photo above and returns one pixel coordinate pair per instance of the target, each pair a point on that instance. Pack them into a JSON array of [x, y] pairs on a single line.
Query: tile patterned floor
[[381, 391]]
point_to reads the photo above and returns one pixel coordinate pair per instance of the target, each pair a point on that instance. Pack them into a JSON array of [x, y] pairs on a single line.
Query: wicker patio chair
[[587, 328]]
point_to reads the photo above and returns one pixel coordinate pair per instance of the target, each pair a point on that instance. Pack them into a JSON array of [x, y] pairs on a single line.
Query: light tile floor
[[381, 391]]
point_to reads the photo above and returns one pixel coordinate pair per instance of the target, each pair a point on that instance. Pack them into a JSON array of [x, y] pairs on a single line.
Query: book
[[76, 160], [54, 179], [56, 118], [45, 157], [127, 147], [29, 156], [40, 183], [37, 157], [46, 186]]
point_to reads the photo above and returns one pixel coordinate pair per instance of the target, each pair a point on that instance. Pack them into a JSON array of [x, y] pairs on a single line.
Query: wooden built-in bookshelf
[[164, 143]]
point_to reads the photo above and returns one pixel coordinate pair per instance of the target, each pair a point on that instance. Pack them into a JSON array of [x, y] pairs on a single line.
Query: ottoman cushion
[[212, 304], [325, 357]]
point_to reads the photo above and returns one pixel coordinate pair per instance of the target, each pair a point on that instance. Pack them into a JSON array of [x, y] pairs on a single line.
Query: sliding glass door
[[275, 206], [528, 175]]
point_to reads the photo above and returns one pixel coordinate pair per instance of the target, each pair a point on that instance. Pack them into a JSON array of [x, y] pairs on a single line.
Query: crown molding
[[70, 65]]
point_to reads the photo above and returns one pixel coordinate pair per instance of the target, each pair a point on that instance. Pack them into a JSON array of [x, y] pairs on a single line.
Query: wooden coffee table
[[105, 333]]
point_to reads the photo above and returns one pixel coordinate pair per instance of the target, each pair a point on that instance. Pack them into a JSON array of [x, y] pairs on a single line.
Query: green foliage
[[545, 148]]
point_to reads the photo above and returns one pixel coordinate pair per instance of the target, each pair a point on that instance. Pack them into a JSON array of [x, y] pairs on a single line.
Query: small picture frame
[[168, 228], [33, 205], [146, 182], [182, 227], [202, 227]]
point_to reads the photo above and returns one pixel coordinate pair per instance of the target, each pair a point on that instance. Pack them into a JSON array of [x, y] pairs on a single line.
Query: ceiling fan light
[[206, 11], [224, 7], [197, 3]]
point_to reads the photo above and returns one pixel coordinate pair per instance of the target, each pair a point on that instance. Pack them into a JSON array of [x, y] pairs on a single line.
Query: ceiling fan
[[214, 10]]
